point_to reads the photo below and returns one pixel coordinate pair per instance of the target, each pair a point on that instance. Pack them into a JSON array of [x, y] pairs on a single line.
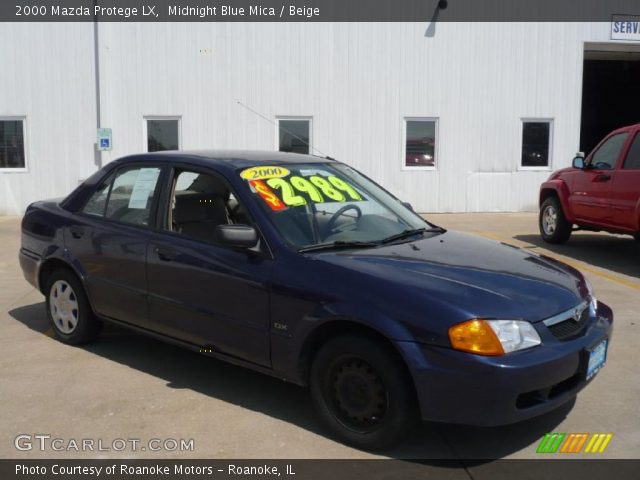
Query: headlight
[[493, 337], [593, 301]]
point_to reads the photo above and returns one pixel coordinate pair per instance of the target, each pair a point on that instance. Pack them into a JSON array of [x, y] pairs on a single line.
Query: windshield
[[328, 203]]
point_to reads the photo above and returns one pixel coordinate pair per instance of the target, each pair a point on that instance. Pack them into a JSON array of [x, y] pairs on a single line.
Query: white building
[[471, 117]]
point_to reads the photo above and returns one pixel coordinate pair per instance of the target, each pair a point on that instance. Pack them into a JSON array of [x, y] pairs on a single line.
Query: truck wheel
[[68, 309], [554, 227], [363, 392]]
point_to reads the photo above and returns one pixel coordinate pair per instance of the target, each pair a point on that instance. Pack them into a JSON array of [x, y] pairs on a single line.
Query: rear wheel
[[554, 227], [68, 309], [363, 392]]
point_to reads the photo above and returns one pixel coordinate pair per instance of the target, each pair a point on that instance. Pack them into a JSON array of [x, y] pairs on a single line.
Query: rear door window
[[126, 196], [97, 203], [633, 157], [131, 195]]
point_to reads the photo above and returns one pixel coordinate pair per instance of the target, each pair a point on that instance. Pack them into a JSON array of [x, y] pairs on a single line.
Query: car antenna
[[284, 130]]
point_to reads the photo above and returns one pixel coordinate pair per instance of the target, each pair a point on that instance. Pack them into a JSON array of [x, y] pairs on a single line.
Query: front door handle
[[603, 177], [76, 231], [166, 254]]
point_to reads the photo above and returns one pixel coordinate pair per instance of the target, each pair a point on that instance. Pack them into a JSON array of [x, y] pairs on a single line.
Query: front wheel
[[363, 392], [554, 227], [68, 309]]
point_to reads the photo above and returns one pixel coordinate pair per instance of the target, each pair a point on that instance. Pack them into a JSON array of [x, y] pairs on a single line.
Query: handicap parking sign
[[104, 139]]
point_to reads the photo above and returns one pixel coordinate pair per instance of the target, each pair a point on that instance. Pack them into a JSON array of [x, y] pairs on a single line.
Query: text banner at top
[[315, 10]]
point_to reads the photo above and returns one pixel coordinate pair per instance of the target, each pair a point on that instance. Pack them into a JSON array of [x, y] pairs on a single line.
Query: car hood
[[478, 277], [560, 172]]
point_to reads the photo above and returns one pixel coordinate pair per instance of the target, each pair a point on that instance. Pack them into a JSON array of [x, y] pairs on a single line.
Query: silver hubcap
[[549, 220], [63, 305]]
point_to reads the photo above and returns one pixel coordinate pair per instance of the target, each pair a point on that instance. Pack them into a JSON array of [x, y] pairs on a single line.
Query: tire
[[554, 227], [68, 309], [363, 392]]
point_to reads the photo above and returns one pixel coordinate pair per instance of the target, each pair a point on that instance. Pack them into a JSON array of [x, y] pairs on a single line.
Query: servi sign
[[625, 27]]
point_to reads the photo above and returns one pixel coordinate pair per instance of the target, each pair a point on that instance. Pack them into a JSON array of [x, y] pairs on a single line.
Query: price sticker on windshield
[[297, 190]]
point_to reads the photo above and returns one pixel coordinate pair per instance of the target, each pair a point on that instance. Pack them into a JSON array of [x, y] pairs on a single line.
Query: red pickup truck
[[601, 192]]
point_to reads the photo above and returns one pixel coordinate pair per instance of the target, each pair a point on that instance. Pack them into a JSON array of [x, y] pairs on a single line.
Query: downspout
[[96, 57]]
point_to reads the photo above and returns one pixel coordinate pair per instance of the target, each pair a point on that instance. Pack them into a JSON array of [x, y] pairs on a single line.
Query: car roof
[[627, 128], [232, 159]]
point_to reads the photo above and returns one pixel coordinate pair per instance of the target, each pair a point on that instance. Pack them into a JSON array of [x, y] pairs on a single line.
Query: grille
[[569, 328]]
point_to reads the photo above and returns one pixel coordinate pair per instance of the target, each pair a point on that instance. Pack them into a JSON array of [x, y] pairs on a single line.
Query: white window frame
[[307, 118], [403, 140], [145, 118], [23, 119], [550, 121]]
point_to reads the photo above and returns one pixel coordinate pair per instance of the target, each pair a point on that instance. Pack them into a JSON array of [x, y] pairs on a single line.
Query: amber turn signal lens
[[475, 336]]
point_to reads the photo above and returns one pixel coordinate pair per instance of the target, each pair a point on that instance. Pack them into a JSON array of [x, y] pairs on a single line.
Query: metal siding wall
[[356, 80], [48, 77]]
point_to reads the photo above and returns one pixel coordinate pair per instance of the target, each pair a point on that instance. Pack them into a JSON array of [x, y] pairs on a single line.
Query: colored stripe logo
[[574, 443]]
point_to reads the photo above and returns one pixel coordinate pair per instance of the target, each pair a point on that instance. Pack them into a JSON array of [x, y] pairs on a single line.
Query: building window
[[420, 137], [536, 144], [12, 151], [294, 135], [162, 134]]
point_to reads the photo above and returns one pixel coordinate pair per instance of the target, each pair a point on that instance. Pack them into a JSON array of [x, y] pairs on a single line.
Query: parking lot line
[[578, 265]]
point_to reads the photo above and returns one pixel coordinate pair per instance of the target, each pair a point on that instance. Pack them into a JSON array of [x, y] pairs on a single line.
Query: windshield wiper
[[410, 233], [343, 244], [337, 245]]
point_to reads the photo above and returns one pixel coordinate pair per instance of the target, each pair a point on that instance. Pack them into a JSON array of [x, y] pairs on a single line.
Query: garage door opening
[[610, 91]]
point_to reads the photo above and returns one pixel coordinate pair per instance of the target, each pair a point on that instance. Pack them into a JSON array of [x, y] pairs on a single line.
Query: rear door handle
[[166, 254], [76, 231]]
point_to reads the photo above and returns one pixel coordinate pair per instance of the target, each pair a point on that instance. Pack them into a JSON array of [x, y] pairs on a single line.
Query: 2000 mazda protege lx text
[[303, 268]]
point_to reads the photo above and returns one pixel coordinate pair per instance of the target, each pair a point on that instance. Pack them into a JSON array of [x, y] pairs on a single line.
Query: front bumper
[[458, 387]]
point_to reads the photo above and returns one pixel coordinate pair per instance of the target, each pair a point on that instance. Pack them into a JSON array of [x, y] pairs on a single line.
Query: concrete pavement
[[128, 386]]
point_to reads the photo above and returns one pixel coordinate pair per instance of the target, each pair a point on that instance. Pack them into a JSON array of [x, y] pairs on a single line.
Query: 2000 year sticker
[[261, 173]]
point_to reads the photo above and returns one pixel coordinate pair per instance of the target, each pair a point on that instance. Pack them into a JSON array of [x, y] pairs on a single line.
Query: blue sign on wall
[[625, 27], [104, 139]]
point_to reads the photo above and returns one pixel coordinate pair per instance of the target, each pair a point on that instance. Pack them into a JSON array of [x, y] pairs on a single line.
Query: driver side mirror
[[578, 161], [236, 236]]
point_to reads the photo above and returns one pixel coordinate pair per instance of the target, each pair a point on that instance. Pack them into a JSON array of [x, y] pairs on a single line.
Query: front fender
[[291, 347], [560, 189]]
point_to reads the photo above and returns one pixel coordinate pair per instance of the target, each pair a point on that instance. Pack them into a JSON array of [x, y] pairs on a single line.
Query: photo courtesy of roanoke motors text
[[382, 239]]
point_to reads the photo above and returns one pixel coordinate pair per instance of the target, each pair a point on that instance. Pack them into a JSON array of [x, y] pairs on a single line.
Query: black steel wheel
[[363, 392]]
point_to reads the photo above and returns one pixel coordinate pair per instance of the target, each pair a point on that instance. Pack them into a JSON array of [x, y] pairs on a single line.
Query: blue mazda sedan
[[303, 268]]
